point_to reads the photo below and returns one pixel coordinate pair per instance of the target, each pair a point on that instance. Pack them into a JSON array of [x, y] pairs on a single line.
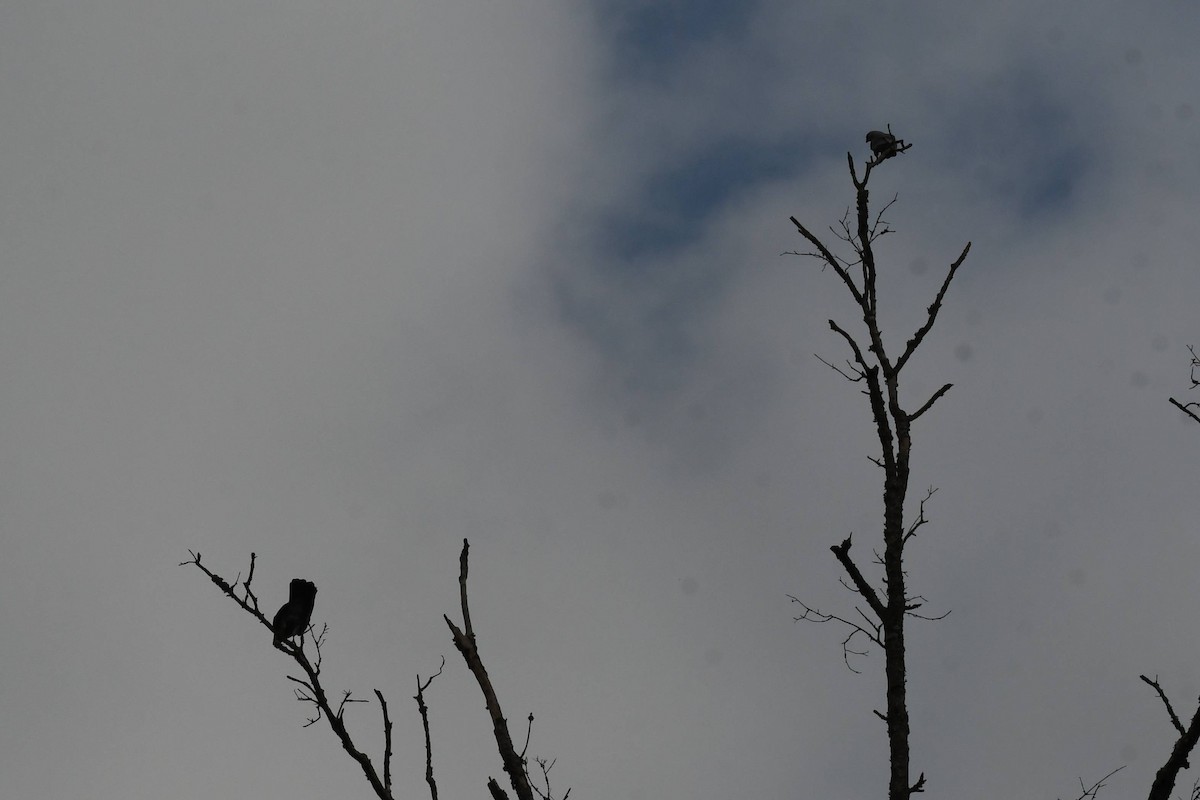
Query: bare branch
[[1164, 779], [909, 613], [496, 791], [545, 793], [880, 226], [929, 403], [387, 744], [465, 642], [807, 254], [462, 589], [528, 733], [829, 259], [224, 586], [246, 584], [919, 786], [921, 519], [858, 356], [932, 311], [346, 699], [842, 552], [420, 698], [1163, 696], [811, 614], [1089, 792], [1186, 408], [857, 375]]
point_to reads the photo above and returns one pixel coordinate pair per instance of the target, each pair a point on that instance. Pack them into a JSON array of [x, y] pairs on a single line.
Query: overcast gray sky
[[341, 284]]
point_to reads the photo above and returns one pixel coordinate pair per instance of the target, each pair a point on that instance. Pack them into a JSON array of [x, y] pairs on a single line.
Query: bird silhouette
[[292, 618], [882, 144]]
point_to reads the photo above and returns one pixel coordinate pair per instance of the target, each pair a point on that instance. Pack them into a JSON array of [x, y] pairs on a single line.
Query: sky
[[344, 285]]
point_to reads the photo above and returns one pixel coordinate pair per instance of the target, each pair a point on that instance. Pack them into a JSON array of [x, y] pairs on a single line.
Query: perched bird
[[882, 144], [292, 619]]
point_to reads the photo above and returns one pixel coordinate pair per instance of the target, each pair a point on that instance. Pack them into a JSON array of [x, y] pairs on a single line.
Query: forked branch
[[464, 640], [1164, 779]]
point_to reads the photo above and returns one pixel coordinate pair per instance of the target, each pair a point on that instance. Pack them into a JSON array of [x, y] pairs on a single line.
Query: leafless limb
[[872, 631], [929, 403], [1164, 779], [250, 608], [1090, 792], [544, 791], [1163, 696], [932, 312], [495, 790], [387, 744], [420, 698], [880, 226], [246, 584], [829, 259], [845, 234], [854, 348], [545, 765], [910, 613], [1187, 408], [464, 640], [842, 553], [346, 698], [528, 733], [919, 786], [921, 518], [854, 376]]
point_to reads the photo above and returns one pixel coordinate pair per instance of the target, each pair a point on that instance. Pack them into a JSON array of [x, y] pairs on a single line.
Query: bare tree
[[880, 619], [1164, 779], [311, 691], [877, 367]]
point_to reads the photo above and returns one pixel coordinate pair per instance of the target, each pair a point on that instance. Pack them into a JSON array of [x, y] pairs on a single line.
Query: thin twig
[[1094, 789], [420, 698]]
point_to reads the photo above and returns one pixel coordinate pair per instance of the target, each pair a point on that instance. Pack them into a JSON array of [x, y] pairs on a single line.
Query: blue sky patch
[[675, 204], [647, 36]]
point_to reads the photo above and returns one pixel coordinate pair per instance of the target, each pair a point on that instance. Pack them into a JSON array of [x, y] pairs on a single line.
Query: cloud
[[343, 286]]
